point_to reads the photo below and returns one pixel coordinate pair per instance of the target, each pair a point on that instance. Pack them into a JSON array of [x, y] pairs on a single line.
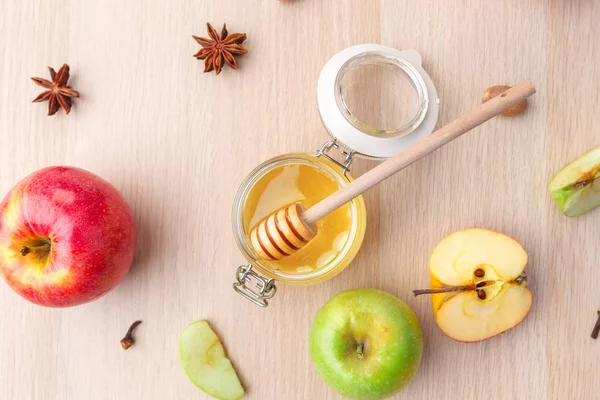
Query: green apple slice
[[576, 187], [204, 361]]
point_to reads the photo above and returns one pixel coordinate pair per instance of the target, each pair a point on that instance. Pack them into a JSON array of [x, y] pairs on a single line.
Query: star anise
[[219, 48], [58, 94]]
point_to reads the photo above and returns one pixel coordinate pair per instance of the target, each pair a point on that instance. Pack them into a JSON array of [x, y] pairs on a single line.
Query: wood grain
[[177, 143]]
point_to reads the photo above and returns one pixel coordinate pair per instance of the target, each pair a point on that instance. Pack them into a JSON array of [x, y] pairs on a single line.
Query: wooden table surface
[[177, 143]]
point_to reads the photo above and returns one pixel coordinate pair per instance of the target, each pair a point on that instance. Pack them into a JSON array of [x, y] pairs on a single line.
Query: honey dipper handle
[[437, 139]]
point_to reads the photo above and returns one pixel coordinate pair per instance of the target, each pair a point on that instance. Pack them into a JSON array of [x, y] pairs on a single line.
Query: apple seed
[[479, 273], [481, 294]]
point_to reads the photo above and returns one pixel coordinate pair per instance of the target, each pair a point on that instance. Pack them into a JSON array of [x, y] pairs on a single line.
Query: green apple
[[203, 359], [366, 344], [576, 187]]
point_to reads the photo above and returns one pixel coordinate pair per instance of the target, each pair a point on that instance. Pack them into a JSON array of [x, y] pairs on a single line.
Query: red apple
[[67, 237]]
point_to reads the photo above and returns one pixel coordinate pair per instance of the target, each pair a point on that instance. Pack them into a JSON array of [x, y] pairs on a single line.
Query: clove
[[128, 340], [596, 329]]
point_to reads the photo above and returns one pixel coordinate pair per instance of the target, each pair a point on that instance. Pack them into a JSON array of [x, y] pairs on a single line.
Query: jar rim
[[400, 65]]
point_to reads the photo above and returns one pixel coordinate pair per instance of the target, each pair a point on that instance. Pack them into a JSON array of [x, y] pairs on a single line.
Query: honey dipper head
[[282, 233]]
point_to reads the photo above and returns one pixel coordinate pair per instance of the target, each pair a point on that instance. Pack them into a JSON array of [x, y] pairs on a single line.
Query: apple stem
[[360, 351], [522, 278], [128, 340], [448, 289], [34, 249]]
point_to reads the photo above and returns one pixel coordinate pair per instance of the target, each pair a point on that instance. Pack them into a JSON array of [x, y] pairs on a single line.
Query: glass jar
[[376, 100], [272, 269], [358, 92]]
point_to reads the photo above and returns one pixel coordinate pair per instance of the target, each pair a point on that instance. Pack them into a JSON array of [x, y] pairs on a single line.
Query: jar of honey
[[374, 101]]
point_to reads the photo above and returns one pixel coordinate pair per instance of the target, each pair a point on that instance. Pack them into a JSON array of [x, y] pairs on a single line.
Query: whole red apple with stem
[[67, 237]]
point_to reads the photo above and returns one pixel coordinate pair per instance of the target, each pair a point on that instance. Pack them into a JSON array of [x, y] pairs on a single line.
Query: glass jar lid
[[377, 100]]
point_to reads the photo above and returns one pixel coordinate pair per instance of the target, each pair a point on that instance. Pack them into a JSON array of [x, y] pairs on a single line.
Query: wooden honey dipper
[[291, 228]]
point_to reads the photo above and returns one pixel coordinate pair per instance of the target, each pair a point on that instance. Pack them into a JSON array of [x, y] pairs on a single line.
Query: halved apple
[[478, 284], [204, 361], [576, 187]]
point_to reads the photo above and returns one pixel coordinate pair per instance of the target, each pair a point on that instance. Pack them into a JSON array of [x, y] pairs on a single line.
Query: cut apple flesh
[[204, 361], [466, 318], [455, 259], [576, 187], [488, 268]]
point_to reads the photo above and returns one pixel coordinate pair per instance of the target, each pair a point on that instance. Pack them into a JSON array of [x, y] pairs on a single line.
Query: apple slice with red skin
[[478, 284]]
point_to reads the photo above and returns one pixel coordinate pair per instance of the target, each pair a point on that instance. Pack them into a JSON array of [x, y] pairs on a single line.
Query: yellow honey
[[288, 184]]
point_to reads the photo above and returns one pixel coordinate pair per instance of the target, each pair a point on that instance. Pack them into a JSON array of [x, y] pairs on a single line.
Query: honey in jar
[[293, 183]]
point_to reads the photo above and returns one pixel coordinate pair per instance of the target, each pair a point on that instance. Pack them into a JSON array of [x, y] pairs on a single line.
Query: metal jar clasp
[[266, 288], [347, 155]]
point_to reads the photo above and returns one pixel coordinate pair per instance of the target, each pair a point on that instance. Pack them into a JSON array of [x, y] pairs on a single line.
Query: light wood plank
[[177, 143]]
